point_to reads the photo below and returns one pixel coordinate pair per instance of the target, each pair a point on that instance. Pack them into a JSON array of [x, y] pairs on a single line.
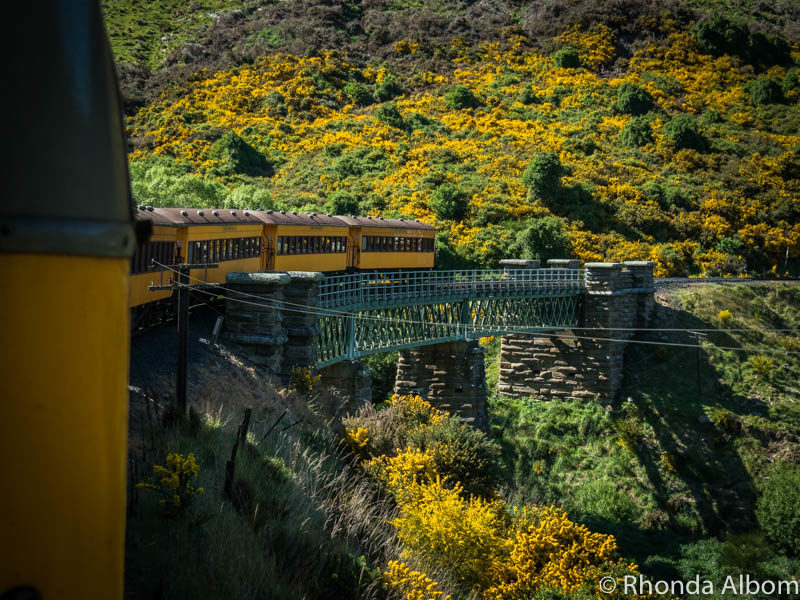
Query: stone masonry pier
[[578, 362], [451, 376], [557, 325]]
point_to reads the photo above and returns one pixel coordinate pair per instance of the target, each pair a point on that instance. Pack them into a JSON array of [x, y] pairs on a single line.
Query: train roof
[[176, 217], [388, 223], [286, 217]]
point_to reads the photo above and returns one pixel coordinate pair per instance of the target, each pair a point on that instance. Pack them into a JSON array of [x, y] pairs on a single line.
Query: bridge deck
[[379, 312], [374, 290]]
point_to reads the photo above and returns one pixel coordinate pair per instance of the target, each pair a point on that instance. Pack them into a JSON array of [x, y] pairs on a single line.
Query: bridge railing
[[390, 287]]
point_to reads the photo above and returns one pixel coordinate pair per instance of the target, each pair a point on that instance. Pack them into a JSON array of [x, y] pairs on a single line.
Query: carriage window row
[[311, 244], [214, 251], [162, 252], [382, 243]]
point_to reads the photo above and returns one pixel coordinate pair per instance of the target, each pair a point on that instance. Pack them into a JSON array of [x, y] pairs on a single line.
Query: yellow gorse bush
[[174, 481], [725, 316], [550, 550], [498, 142], [414, 585]]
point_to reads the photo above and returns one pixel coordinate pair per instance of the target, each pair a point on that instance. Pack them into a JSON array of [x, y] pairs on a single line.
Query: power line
[[333, 312], [475, 329]]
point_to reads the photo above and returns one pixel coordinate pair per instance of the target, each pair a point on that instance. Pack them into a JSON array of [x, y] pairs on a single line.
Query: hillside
[[604, 131], [328, 507]]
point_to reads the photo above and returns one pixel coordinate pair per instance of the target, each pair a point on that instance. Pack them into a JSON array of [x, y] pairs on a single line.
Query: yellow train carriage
[[161, 247], [231, 239], [66, 238], [382, 244], [304, 242]]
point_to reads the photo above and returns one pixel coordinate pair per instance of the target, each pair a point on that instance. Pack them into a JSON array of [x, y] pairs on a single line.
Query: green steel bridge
[[369, 313]]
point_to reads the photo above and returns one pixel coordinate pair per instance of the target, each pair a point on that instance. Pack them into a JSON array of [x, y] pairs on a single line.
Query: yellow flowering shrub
[[175, 481], [293, 110], [413, 585], [548, 549], [441, 527]]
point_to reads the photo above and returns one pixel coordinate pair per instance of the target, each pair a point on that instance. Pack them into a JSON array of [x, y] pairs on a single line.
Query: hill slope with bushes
[[678, 143]]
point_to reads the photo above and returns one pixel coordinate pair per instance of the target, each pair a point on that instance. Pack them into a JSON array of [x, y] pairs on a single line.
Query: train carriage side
[[304, 242], [161, 247], [389, 244], [231, 239]]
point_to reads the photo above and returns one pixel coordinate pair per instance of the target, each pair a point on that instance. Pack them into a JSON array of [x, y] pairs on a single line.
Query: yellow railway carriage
[[66, 238], [376, 243], [304, 242], [231, 239], [161, 247]]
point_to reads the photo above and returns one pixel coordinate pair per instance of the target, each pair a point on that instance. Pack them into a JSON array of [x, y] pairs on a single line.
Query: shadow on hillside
[[690, 447]]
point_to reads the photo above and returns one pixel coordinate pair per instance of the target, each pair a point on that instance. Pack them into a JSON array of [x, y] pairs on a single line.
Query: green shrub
[[769, 49], [239, 157], [448, 202], [384, 371], [341, 202], [778, 508], [419, 121], [543, 176], [359, 93], [567, 58], [543, 239], [765, 90], [527, 95], [390, 115], [633, 100], [792, 81], [387, 89], [462, 453], [637, 132], [719, 35], [682, 132], [460, 96], [359, 161], [602, 498]]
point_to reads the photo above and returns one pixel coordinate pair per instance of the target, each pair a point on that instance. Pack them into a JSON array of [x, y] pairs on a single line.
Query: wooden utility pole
[[183, 337], [697, 337], [182, 286]]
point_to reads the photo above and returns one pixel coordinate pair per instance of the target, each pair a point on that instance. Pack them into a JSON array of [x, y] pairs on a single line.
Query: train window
[[317, 244], [366, 244]]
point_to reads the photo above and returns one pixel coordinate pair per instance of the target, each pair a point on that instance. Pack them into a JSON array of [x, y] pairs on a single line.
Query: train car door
[[353, 250]]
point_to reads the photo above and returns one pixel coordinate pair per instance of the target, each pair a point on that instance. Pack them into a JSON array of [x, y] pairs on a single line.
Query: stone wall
[[579, 363], [451, 376]]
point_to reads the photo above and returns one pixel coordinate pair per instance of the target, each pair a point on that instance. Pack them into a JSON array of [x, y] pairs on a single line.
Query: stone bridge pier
[[450, 375], [271, 316], [580, 363]]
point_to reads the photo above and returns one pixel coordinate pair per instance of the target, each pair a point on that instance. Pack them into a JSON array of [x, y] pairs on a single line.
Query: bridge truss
[[368, 313]]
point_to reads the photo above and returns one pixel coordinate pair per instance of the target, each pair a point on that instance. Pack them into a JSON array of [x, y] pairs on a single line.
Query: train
[[233, 240]]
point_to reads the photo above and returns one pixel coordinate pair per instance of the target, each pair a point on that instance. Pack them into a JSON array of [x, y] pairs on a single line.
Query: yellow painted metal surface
[[63, 424], [311, 262], [139, 292], [217, 232], [394, 260], [241, 265]]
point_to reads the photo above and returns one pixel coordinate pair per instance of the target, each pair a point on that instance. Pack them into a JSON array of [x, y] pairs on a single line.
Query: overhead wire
[[476, 330], [334, 312]]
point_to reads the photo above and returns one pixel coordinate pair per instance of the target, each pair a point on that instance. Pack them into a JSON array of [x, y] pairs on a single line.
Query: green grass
[[144, 33], [664, 465], [301, 523]]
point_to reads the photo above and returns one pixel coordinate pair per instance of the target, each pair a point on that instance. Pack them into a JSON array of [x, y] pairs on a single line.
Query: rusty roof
[[177, 217], [389, 223], [286, 217]]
